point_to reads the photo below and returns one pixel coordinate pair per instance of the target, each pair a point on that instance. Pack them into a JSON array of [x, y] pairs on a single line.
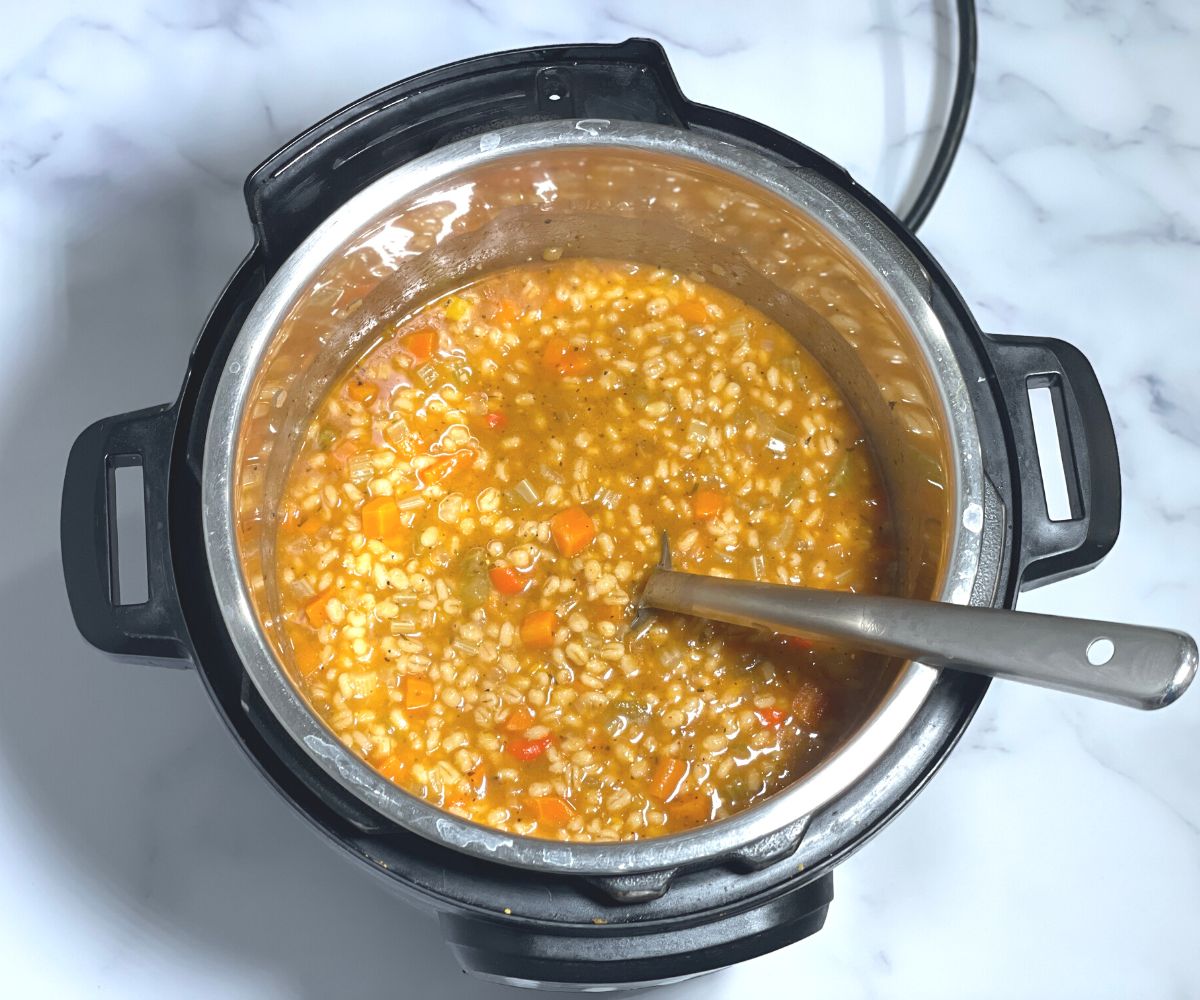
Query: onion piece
[[360, 468], [397, 432], [525, 492], [779, 439], [608, 499], [303, 589]]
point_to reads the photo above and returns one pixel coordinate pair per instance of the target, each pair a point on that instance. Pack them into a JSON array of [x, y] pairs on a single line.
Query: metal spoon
[[1127, 664]]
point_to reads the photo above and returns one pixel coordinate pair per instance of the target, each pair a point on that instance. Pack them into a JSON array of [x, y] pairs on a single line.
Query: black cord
[[956, 122]]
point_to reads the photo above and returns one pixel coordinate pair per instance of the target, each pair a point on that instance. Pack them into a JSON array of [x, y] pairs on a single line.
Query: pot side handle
[[1052, 550], [152, 630]]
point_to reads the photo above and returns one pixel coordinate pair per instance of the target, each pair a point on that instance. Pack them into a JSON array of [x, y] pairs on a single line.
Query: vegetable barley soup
[[477, 502]]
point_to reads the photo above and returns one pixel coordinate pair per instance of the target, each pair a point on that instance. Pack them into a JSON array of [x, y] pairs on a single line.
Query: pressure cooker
[[469, 168]]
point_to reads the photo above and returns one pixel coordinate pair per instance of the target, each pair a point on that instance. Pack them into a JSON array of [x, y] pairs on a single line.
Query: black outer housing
[[502, 922]]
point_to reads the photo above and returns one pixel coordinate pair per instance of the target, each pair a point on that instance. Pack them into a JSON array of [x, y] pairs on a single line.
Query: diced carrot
[[496, 421], [796, 642], [553, 306], [507, 580], [524, 749], [575, 363], [316, 611], [693, 310], [561, 357], [520, 719], [668, 774], [444, 465], [537, 630], [362, 390], [770, 716], [550, 810], [393, 769], [437, 470], [503, 311], [707, 503], [573, 530], [809, 705], [380, 518], [556, 350], [420, 345], [691, 810], [418, 692], [311, 525]]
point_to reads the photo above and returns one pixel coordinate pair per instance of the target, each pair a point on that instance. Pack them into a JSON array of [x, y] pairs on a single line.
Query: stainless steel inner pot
[[779, 237]]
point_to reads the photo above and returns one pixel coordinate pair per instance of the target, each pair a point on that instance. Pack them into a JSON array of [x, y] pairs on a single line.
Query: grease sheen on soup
[[477, 501]]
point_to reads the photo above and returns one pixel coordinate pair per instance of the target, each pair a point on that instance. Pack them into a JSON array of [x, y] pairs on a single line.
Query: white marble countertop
[[141, 855]]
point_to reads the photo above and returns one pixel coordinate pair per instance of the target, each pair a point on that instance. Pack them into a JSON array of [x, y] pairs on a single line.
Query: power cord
[[956, 122]]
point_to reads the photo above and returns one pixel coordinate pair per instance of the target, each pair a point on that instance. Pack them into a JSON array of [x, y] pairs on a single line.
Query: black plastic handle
[[1052, 550], [153, 630], [632, 955], [294, 191]]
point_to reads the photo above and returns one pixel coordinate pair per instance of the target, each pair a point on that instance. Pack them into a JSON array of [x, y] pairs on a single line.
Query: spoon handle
[[1145, 667]]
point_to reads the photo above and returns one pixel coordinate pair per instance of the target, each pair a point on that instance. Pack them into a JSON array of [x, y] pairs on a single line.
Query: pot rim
[[855, 228]]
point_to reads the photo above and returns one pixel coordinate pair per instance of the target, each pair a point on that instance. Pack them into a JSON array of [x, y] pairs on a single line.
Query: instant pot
[[584, 150]]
